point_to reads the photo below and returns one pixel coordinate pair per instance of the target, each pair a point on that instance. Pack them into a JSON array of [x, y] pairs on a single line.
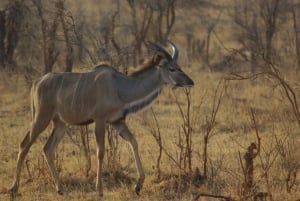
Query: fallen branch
[[226, 198]]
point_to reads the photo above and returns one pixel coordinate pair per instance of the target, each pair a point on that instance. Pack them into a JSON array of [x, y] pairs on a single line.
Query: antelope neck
[[144, 89]]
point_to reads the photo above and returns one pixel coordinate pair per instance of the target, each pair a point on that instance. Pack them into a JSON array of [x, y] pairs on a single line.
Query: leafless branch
[[221, 197]]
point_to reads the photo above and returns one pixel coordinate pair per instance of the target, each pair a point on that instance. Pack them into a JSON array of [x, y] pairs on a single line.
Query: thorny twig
[[210, 124], [157, 135], [187, 128], [250, 155]]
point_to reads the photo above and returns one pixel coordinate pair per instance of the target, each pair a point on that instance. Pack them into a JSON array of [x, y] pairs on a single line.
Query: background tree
[[49, 28], [67, 34], [257, 21], [296, 20], [11, 19], [2, 37]]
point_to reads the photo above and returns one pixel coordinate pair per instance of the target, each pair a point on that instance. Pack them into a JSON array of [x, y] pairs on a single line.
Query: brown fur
[[147, 64], [101, 96]]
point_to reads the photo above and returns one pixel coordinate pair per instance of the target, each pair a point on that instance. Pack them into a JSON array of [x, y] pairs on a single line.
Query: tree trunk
[[13, 26], [2, 37], [269, 12], [296, 15], [205, 156], [50, 52], [69, 49]]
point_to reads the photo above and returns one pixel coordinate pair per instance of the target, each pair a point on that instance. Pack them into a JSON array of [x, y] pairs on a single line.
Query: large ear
[[157, 59]]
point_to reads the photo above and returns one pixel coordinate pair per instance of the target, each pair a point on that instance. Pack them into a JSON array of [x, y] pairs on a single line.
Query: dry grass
[[233, 133]]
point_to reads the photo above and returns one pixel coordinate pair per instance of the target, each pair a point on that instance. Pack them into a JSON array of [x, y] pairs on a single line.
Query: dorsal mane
[[101, 66], [148, 64]]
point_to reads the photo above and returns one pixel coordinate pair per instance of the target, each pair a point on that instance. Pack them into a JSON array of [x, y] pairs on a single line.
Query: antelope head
[[167, 65]]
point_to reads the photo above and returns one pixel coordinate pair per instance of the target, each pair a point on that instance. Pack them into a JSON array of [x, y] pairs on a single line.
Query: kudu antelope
[[102, 95]]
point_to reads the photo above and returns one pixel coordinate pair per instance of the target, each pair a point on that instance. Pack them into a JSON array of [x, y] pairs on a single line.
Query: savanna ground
[[232, 134], [253, 110]]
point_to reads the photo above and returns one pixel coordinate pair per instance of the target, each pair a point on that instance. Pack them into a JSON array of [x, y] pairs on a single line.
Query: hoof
[[99, 197], [13, 193], [12, 196], [60, 192], [137, 189]]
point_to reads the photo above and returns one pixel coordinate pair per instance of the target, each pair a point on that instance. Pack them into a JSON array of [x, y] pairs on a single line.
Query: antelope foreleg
[[49, 152], [129, 137], [100, 139]]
